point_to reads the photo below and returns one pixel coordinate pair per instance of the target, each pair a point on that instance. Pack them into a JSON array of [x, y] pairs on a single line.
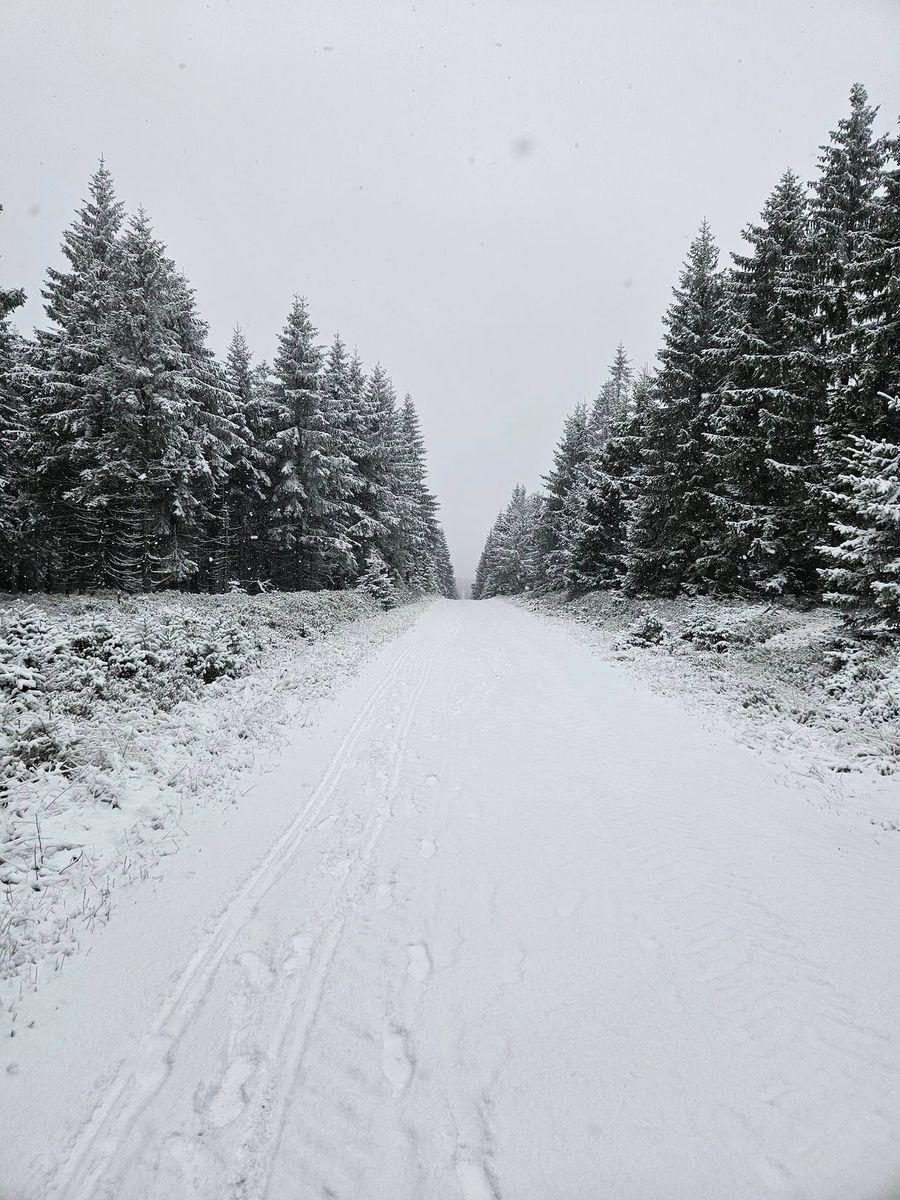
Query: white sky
[[486, 196]]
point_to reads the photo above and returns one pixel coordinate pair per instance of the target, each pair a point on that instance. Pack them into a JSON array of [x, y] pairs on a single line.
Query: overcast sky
[[485, 196]]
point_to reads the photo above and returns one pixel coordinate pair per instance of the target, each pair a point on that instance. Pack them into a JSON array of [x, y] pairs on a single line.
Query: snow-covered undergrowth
[[117, 715], [789, 681]]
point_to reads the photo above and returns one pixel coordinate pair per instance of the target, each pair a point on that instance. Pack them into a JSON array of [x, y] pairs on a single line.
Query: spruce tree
[[143, 485], [872, 345], [377, 464], [762, 440], [356, 427], [206, 537], [673, 524], [599, 538], [612, 402], [844, 239], [70, 410], [560, 513], [312, 546], [444, 567], [12, 355], [417, 506], [863, 575], [248, 477], [509, 562], [342, 382]]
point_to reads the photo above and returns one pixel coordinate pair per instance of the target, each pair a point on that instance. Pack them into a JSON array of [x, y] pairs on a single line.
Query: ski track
[[139, 1082], [534, 933]]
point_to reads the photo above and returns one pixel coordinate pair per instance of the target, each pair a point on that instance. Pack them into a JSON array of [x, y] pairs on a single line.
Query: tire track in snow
[[95, 1149]]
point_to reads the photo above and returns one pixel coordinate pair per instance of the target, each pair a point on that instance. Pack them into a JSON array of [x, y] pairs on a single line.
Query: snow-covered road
[[522, 931]]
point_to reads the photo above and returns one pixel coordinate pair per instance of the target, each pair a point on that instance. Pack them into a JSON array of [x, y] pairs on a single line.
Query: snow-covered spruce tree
[[206, 537], [308, 534], [487, 561], [844, 241], [862, 566], [12, 355], [612, 401], [444, 566], [69, 409], [342, 385], [417, 507], [377, 464], [599, 551], [142, 487], [870, 351], [248, 477], [762, 438], [356, 427], [863, 577], [377, 580], [560, 511], [673, 528], [509, 561]]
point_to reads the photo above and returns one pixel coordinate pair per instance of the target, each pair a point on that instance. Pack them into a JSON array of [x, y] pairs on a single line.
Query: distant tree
[[509, 561], [445, 576]]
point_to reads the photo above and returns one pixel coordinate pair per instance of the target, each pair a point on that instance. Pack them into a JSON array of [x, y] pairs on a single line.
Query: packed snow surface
[[503, 925]]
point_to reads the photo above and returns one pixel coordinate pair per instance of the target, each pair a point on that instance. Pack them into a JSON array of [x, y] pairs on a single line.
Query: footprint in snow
[[427, 848], [230, 1098], [431, 780], [301, 950], [154, 1062], [384, 897], [186, 1168], [257, 973], [474, 1181], [419, 965], [396, 1062]]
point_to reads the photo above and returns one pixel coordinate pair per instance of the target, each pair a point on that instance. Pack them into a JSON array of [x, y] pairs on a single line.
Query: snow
[[787, 680], [134, 742], [504, 922]]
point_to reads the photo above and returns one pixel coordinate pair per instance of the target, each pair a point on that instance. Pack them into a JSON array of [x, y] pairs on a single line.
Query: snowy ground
[[791, 682], [504, 925], [122, 721]]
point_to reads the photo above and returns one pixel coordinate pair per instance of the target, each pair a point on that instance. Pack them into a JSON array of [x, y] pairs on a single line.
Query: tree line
[[132, 458], [762, 456]]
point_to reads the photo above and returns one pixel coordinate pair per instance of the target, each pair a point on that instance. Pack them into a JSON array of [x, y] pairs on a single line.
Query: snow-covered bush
[[114, 712], [376, 581], [870, 674], [56, 673], [647, 630]]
